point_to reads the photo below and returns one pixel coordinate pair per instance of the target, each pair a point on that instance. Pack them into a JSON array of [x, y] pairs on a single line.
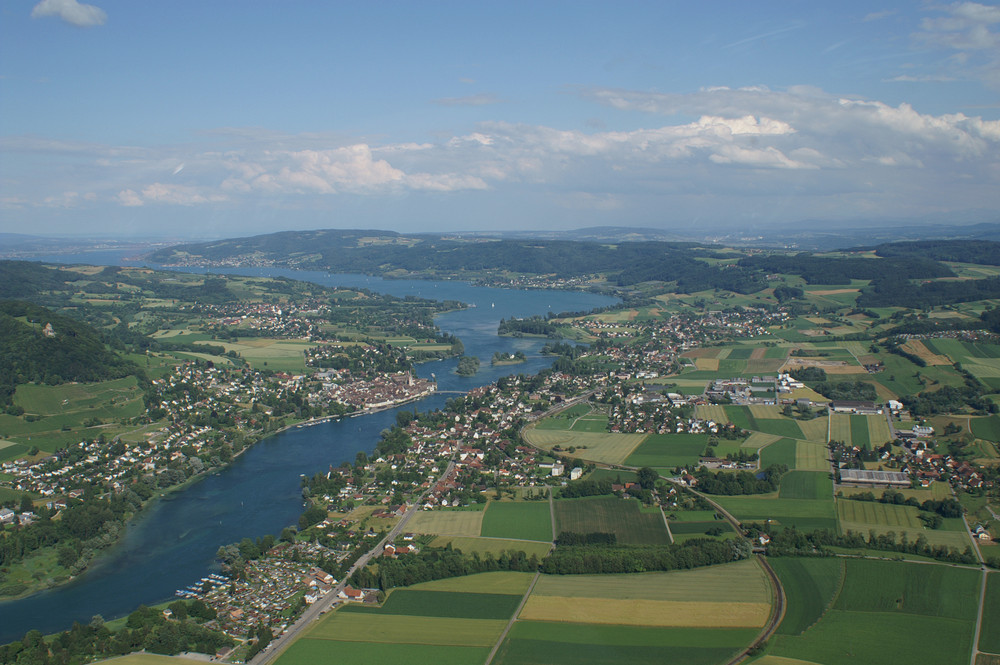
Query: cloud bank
[[71, 11]]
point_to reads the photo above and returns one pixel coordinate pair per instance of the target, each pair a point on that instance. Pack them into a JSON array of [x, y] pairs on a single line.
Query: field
[[597, 447], [523, 520], [861, 431], [611, 515], [806, 485], [810, 456], [447, 522], [149, 659], [917, 613], [308, 651], [779, 452], [548, 643], [446, 604], [391, 628], [803, 514], [864, 516], [810, 585], [497, 582], [733, 595], [986, 428], [668, 450], [494, 546], [989, 640]]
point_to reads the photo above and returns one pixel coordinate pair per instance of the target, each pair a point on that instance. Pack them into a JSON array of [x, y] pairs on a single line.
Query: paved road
[[317, 609]]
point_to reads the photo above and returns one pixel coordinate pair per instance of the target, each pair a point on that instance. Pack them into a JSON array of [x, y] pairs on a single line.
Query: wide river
[[173, 544]]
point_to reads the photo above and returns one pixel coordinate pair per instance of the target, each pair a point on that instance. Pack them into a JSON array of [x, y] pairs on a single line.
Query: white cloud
[[967, 29], [481, 99], [71, 11]]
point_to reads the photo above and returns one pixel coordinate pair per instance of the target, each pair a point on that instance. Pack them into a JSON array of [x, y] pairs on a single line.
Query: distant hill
[[982, 252], [37, 344]]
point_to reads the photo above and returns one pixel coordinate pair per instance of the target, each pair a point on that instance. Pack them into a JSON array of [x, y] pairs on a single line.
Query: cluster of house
[[380, 392], [270, 319]]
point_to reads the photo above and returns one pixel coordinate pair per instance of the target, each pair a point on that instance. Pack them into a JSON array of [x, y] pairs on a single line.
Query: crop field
[[864, 516], [811, 456], [149, 659], [758, 440], [741, 352], [370, 627], [779, 427], [766, 411], [803, 514], [925, 353], [989, 640], [605, 448], [707, 364], [495, 546], [523, 520], [546, 643], [664, 613], [446, 604], [668, 450], [447, 522], [937, 490], [712, 412], [280, 355], [611, 515], [739, 416], [859, 432], [309, 651], [986, 428], [501, 582], [806, 485], [593, 422], [779, 452], [916, 615], [810, 585]]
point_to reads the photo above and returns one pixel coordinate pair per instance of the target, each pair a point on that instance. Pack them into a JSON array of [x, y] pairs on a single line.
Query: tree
[[647, 477]]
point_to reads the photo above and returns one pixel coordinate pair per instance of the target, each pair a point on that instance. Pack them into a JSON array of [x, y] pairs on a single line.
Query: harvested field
[[917, 348], [702, 353], [494, 546], [712, 412], [815, 429], [447, 522], [605, 448], [811, 456], [707, 364], [759, 440]]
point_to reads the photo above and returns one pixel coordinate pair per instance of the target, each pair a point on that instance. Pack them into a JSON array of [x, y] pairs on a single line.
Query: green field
[[806, 485], [447, 604], [149, 659], [986, 428], [494, 546], [602, 447], [989, 639], [546, 643], [811, 456], [779, 427], [892, 612], [668, 450], [528, 520], [803, 514], [502, 582], [611, 515], [391, 628], [739, 416], [810, 585], [859, 432], [308, 651], [779, 452], [447, 522], [864, 516]]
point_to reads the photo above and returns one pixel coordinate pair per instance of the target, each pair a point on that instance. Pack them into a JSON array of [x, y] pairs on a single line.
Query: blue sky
[[225, 118]]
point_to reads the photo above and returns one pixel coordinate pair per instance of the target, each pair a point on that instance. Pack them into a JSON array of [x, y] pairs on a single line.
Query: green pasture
[[779, 452], [668, 450], [611, 515], [864, 516], [497, 582], [986, 428], [859, 432], [989, 640], [548, 643], [399, 629], [494, 546], [280, 355], [811, 456], [806, 485], [591, 423], [810, 585], [149, 659], [527, 520], [739, 416], [779, 427], [803, 514], [445, 604], [309, 651]]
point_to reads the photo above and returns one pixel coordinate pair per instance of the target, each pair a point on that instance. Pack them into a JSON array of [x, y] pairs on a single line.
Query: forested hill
[[983, 252], [39, 345], [377, 252]]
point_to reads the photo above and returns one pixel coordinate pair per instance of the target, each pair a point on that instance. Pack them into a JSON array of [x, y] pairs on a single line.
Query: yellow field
[[496, 582], [765, 411], [917, 348], [494, 545], [878, 430], [392, 628], [662, 613], [742, 581], [447, 522], [807, 393], [764, 365], [594, 446], [708, 364], [711, 412], [815, 429], [810, 456], [759, 440]]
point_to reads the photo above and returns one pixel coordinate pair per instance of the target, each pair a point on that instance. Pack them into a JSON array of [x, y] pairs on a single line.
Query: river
[[173, 543]]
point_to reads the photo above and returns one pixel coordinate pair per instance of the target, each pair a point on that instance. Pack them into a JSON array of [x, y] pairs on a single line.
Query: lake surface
[[174, 543]]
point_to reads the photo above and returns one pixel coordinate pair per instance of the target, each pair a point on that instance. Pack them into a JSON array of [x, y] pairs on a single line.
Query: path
[[513, 618], [979, 618]]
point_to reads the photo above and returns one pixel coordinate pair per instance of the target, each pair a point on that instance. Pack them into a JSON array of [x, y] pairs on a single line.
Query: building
[[874, 478]]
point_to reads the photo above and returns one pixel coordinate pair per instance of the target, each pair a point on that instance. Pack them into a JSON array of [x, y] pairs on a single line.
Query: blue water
[[174, 543]]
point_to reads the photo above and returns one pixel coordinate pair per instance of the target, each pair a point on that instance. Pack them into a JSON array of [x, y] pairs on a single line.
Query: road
[[320, 607]]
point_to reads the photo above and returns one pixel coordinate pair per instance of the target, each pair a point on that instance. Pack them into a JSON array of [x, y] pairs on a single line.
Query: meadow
[[445, 604], [611, 515], [989, 640], [602, 447], [522, 520], [810, 585], [668, 450], [806, 485], [864, 516]]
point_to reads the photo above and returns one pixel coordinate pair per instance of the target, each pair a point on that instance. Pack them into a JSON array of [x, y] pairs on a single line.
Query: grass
[[810, 585], [811, 456], [989, 640], [664, 613], [840, 427], [545, 643], [503, 582], [859, 431], [529, 520], [604, 447], [803, 514], [447, 522], [446, 604], [986, 428], [864, 516], [358, 627], [779, 452], [739, 416], [148, 659], [892, 612], [311, 651], [494, 546], [668, 450], [806, 485], [611, 515]]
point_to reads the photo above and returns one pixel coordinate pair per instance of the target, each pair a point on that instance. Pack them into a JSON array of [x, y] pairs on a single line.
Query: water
[[174, 543]]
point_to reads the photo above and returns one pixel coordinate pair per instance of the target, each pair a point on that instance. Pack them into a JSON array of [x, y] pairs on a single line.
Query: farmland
[[989, 640], [611, 515], [668, 450], [865, 516], [523, 520], [594, 446]]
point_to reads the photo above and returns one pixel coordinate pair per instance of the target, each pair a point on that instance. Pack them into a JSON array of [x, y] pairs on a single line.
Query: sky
[[220, 118]]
